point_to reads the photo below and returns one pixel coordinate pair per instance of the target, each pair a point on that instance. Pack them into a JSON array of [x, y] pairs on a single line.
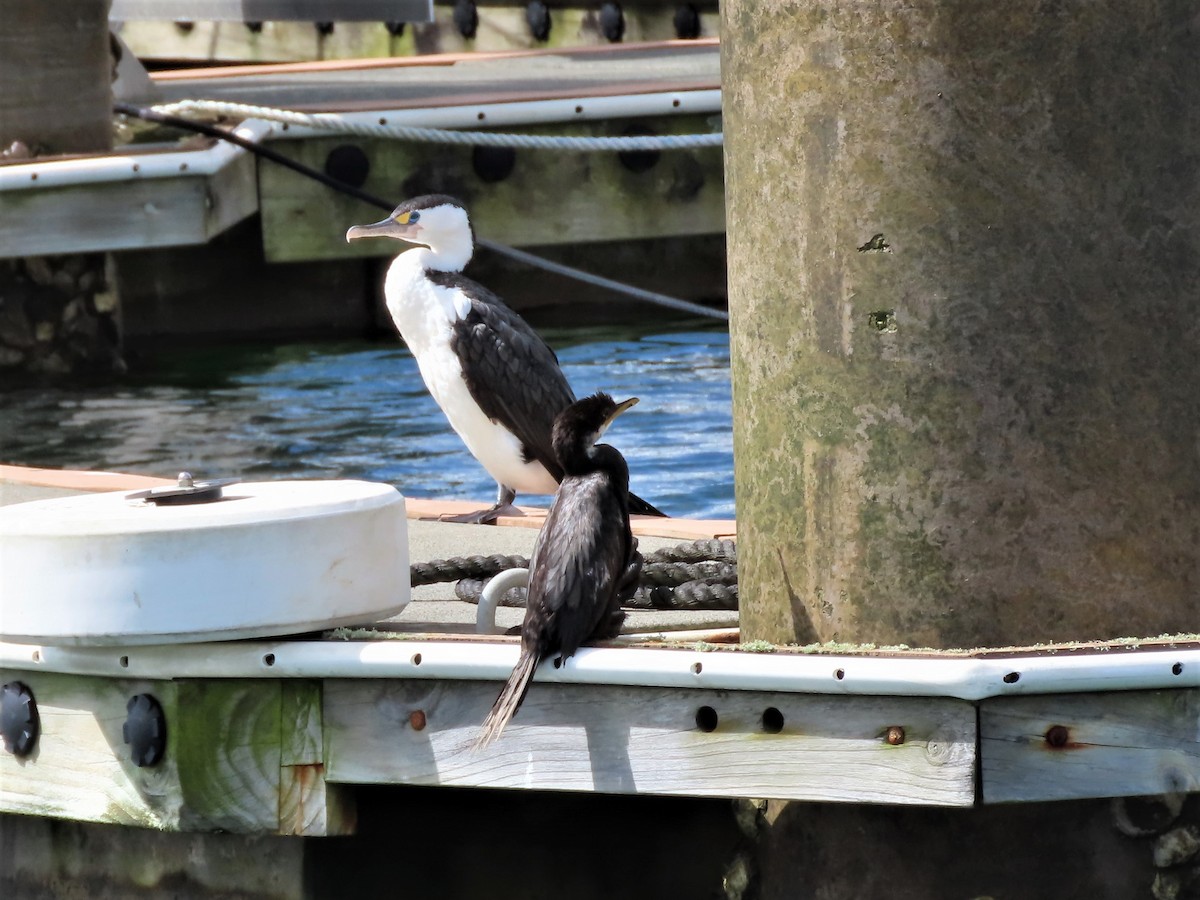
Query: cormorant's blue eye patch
[[413, 217]]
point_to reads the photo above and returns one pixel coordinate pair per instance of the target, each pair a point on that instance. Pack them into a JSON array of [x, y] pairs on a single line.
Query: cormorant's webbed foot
[[504, 498], [484, 516]]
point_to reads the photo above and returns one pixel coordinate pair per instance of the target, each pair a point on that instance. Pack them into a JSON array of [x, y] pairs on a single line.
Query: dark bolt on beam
[[687, 22], [537, 15], [493, 164], [466, 18], [145, 730], [638, 160], [1058, 736], [349, 164], [612, 22], [19, 722]]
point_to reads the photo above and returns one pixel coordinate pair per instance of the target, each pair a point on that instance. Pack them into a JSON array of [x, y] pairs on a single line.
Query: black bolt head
[[19, 722], [687, 22], [145, 730], [466, 18], [638, 161], [612, 21], [349, 164], [537, 15], [493, 164]]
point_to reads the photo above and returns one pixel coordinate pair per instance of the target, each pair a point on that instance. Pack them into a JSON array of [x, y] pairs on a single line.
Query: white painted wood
[[646, 740], [1114, 745], [268, 558]]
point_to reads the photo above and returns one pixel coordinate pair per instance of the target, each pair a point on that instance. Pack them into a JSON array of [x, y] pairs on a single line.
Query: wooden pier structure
[[290, 736], [208, 241]]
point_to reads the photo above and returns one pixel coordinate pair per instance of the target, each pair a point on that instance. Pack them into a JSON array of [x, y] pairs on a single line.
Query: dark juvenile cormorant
[[496, 380], [585, 563]]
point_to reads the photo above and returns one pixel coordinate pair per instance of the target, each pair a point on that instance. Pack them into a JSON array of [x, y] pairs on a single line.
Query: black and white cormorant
[[585, 563], [496, 380]]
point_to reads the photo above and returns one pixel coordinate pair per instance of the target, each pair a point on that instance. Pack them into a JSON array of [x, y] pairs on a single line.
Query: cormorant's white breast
[[498, 383]]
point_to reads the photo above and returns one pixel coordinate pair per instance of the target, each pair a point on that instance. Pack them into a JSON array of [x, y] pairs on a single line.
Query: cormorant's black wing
[[510, 371], [579, 563]]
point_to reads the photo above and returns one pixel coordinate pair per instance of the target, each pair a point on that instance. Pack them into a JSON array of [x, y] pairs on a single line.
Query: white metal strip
[[964, 678]]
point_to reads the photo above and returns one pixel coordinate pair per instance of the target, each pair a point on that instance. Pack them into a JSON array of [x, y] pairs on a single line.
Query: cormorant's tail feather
[[509, 701], [640, 507]]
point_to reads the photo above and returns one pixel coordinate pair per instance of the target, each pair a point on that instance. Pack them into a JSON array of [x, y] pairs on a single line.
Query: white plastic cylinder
[[269, 558]]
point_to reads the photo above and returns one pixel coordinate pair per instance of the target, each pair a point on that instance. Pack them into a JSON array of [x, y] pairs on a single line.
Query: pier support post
[[964, 263], [56, 66]]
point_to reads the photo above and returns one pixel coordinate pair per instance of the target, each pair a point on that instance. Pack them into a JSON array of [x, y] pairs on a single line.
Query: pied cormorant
[[585, 562], [496, 380]]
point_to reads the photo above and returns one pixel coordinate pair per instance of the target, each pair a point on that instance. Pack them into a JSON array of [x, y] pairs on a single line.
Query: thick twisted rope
[[338, 124], [699, 575], [712, 593]]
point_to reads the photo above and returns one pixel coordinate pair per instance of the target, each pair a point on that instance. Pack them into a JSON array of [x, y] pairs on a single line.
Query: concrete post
[[964, 264]]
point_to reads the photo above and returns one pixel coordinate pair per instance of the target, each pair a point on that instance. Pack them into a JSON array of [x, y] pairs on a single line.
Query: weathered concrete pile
[[57, 316]]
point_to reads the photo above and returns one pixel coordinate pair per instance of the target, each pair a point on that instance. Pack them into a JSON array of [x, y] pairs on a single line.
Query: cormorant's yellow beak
[[392, 226], [620, 408]]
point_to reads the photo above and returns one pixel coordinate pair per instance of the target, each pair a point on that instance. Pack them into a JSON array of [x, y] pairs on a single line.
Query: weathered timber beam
[[547, 198], [132, 214], [240, 756], [1075, 746], [625, 740]]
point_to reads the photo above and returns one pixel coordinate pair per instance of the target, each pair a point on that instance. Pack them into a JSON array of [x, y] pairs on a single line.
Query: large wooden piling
[[963, 266], [56, 68], [963, 262]]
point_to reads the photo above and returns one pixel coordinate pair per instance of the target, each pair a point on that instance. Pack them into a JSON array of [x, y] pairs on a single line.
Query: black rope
[[150, 115], [460, 567], [698, 575]]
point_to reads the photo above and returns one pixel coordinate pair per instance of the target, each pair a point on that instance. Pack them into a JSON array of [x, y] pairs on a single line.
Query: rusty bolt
[[416, 719], [1057, 736], [895, 735]]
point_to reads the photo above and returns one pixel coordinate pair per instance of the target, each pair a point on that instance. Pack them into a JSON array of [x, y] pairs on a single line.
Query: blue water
[[360, 410]]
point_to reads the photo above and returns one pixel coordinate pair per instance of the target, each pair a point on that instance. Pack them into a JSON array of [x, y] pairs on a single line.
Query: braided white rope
[[337, 124]]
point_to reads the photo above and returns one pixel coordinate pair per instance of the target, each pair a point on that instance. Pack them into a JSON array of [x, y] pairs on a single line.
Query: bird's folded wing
[[512, 374]]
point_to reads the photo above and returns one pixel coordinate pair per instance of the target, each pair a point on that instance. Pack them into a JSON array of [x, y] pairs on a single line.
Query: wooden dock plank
[[1077, 746], [646, 740], [126, 215]]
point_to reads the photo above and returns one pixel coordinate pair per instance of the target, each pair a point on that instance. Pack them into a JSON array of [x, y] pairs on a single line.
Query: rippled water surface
[[360, 410]]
